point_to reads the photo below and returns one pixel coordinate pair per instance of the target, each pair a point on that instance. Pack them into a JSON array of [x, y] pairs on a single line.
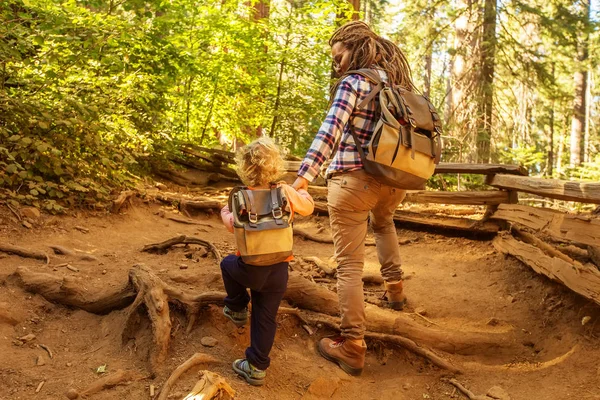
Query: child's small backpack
[[261, 225], [406, 144]]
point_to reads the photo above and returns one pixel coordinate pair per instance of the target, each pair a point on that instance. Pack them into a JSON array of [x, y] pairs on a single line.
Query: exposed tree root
[[74, 292], [322, 265], [521, 366], [211, 386], [124, 196], [309, 236], [7, 315], [22, 252], [310, 296], [144, 288], [183, 239], [61, 250], [147, 292], [198, 358], [470, 395], [119, 377], [309, 317]]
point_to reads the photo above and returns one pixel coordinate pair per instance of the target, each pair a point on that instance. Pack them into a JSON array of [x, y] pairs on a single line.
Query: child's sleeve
[[227, 218], [300, 201]]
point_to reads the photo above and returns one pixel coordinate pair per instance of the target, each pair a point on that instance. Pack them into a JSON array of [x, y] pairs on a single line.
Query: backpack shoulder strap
[[233, 192], [372, 76]]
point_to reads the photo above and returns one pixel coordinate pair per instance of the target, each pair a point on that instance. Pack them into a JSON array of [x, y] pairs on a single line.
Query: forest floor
[[458, 283]]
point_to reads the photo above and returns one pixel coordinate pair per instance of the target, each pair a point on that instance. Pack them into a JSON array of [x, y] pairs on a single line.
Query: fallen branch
[[198, 358], [211, 386], [183, 239], [22, 252], [17, 214], [43, 346]]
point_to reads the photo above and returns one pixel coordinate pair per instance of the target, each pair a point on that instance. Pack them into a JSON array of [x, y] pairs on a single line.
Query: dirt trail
[[457, 283]]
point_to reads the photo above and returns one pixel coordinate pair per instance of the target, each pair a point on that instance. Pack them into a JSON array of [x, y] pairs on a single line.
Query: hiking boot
[[396, 299], [348, 355], [253, 375], [239, 318]]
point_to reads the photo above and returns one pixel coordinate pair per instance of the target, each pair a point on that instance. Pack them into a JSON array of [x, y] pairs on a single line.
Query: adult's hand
[[300, 183]]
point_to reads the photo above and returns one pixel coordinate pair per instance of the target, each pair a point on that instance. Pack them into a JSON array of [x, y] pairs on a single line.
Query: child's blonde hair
[[259, 163]]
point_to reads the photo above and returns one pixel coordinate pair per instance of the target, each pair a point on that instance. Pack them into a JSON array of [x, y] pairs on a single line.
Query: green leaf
[[37, 40], [11, 169]]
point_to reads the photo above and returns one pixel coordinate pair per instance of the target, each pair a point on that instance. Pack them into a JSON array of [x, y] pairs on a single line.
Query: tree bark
[[578, 121], [488, 53]]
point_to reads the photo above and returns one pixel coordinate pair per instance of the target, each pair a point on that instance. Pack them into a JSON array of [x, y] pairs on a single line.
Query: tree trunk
[[488, 53], [578, 121], [356, 13], [461, 102], [550, 162]]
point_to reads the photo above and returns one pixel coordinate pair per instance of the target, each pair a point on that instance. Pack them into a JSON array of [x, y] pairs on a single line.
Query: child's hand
[[300, 183]]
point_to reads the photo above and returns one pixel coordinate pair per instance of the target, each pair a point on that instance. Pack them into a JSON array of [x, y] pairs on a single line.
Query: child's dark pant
[[267, 286]]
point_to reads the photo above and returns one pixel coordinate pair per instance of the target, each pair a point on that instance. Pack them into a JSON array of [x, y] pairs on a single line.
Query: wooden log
[[453, 168], [581, 279], [580, 229], [489, 197], [484, 169], [584, 192], [594, 254], [443, 222], [435, 221], [545, 247], [198, 203]]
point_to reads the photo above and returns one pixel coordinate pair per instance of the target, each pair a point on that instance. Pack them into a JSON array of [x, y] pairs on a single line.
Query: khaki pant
[[351, 197]]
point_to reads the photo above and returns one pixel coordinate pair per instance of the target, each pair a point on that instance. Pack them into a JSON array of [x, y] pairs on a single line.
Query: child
[[259, 164]]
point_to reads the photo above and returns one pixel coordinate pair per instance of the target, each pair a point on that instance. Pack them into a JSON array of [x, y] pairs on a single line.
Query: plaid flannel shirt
[[336, 129]]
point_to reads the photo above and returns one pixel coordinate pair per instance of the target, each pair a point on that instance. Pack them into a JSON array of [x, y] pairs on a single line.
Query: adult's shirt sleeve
[[330, 132]]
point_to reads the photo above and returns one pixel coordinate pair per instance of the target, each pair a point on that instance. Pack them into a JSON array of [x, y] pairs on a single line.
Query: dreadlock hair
[[369, 49]]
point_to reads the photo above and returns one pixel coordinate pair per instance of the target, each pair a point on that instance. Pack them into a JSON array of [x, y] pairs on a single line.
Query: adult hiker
[[353, 196]]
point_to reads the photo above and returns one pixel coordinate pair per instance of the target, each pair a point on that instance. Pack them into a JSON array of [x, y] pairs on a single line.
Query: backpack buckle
[[253, 217], [277, 213]]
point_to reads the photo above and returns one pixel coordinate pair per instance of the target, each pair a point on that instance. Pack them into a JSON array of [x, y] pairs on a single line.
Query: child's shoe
[[239, 318], [253, 376]]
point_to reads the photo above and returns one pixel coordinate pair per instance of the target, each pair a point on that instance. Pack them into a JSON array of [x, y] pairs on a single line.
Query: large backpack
[[406, 143], [261, 225]]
